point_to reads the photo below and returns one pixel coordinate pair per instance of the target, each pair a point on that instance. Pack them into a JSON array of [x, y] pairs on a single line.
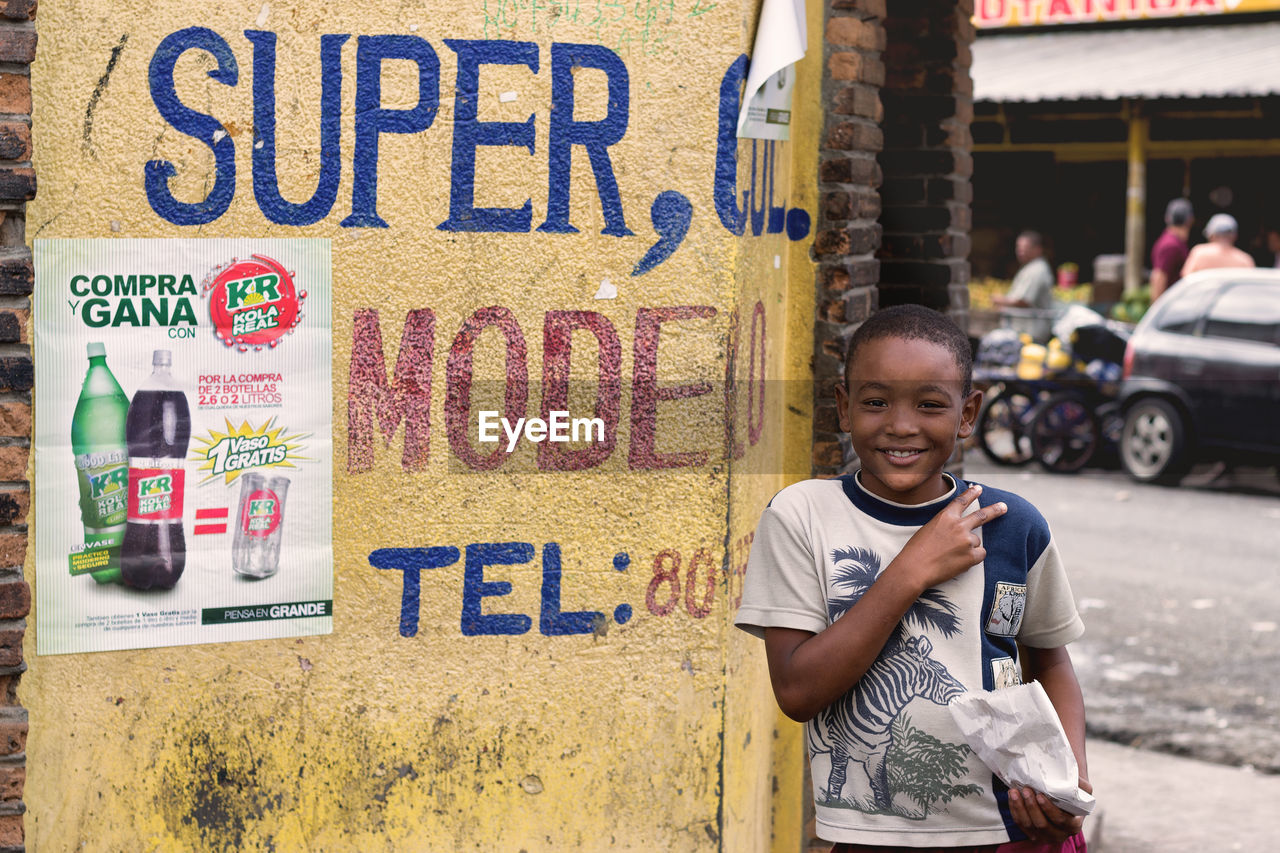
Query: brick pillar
[[17, 185], [927, 160], [847, 234], [893, 223]]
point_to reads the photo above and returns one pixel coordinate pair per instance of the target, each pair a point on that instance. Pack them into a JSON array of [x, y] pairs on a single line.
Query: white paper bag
[[1016, 733]]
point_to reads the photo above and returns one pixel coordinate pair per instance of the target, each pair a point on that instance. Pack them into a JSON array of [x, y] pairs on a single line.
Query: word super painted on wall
[[670, 212], [690, 580]]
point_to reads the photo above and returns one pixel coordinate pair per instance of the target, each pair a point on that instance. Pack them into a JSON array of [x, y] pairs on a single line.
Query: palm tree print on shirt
[[863, 728]]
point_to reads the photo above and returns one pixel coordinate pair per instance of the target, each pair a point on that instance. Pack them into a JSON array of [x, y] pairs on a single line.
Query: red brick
[[836, 206], [852, 32], [855, 136], [15, 93], [15, 599], [873, 71], [17, 46], [18, 10], [9, 688], [868, 205], [14, 506], [834, 241], [863, 240], [17, 373], [843, 66], [12, 780], [13, 550], [826, 418], [958, 137], [908, 77], [17, 275], [13, 463], [15, 140], [11, 646], [866, 8], [836, 279], [15, 419], [11, 830], [13, 738], [838, 170], [858, 100], [857, 305], [18, 183], [827, 453], [13, 325]]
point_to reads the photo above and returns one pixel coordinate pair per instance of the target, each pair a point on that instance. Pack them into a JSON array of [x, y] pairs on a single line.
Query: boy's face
[[904, 407]]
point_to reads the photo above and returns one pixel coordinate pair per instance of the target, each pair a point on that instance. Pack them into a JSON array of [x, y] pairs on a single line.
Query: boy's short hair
[[915, 323]]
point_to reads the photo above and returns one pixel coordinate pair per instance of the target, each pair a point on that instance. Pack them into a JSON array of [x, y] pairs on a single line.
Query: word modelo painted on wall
[[141, 299], [670, 212], [373, 398]]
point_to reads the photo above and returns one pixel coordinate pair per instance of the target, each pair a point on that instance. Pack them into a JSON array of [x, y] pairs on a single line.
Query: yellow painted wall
[[657, 731]]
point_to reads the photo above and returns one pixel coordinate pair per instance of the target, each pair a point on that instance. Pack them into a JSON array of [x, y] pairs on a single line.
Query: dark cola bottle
[[157, 430]]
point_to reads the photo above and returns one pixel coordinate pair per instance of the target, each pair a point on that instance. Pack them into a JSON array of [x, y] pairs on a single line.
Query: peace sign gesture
[[949, 544]]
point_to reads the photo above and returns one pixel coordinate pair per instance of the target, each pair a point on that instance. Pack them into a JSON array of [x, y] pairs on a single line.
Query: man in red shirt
[[1170, 251]]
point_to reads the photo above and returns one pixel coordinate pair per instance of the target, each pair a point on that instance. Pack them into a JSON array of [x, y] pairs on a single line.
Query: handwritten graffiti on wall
[[652, 27], [694, 580], [378, 404], [671, 212]]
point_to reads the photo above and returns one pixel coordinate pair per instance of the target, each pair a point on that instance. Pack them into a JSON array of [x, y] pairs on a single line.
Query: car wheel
[[1064, 434], [1002, 426], [1153, 443]]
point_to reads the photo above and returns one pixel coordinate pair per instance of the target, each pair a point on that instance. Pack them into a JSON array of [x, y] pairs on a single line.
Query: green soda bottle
[[102, 461]]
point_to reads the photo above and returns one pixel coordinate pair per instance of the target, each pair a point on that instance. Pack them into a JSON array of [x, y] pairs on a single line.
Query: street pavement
[[1149, 802]]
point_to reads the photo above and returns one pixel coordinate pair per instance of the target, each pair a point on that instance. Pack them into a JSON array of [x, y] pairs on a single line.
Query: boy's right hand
[[949, 544]]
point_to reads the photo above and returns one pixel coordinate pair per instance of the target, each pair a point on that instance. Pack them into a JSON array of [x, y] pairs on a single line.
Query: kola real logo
[[253, 302], [261, 514]]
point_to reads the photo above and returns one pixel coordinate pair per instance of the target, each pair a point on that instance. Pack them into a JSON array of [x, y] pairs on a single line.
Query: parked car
[[1202, 376]]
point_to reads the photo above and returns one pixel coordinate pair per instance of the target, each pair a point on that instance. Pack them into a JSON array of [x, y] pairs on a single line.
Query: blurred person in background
[[1171, 248], [1273, 247], [1221, 250], [1033, 284]]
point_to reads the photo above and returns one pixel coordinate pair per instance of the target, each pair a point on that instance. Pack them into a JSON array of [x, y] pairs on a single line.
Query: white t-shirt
[[889, 765], [1033, 284]]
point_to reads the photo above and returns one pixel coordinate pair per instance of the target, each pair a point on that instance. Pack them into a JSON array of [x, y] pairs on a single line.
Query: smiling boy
[[883, 595]]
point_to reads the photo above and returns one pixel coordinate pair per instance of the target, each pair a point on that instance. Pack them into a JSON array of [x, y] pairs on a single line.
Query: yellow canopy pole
[[1135, 237]]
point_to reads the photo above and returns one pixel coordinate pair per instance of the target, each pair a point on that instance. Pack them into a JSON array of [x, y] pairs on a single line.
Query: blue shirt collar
[[905, 515]]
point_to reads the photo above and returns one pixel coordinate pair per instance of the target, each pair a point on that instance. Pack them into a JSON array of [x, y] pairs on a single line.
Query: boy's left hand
[[1040, 819]]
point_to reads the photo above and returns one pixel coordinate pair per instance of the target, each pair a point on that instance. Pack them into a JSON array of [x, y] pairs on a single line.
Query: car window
[[1181, 312], [1247, 311]]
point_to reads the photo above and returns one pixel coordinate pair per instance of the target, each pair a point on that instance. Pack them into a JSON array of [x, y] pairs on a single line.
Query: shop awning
[[1238, 60]]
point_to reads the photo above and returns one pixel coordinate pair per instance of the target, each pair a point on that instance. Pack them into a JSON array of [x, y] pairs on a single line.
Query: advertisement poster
[[183, 442]]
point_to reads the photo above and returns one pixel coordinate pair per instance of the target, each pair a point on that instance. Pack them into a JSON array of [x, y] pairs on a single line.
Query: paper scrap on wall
[[781, 39]]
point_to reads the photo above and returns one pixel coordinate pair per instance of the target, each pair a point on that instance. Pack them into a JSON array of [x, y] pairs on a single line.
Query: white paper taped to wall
[[781, 39]]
